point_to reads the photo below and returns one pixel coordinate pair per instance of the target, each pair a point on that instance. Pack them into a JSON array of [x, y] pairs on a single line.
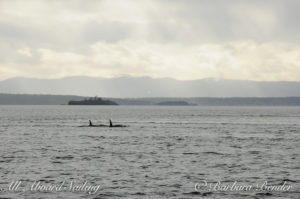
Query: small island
[[92, 101], [174, 103]]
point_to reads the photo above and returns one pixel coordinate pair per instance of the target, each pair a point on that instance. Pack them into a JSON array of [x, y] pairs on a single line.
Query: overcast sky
[[182, 39]]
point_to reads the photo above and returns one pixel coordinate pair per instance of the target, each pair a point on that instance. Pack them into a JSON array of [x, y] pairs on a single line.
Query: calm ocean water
[[163, 152]]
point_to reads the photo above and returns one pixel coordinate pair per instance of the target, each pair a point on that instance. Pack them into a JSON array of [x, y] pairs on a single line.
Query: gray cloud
[[56, 34], [211, 20], [110, 32], [170, 20]]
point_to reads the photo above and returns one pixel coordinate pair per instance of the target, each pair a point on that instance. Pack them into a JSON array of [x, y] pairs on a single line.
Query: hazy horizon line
[[144, 76], [105, 97]]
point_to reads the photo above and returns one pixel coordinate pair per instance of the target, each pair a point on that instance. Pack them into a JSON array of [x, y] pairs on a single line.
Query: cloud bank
[[234, 39]]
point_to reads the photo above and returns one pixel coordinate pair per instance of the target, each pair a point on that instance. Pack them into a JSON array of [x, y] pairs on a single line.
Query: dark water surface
[[163, 153]]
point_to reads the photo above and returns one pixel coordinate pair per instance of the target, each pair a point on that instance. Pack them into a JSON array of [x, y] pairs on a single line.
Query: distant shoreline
[[32, 99]]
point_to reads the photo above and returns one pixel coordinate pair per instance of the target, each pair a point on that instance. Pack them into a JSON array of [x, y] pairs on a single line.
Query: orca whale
[[111, 125], [116, 125]]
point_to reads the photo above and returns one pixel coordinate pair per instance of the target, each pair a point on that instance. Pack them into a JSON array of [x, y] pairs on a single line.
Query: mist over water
[[163, 152]]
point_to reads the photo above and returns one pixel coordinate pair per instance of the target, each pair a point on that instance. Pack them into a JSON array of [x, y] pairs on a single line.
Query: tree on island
[[92, 101]]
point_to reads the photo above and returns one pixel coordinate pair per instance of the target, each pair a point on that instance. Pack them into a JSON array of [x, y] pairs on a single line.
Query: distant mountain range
[[137, 87]]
